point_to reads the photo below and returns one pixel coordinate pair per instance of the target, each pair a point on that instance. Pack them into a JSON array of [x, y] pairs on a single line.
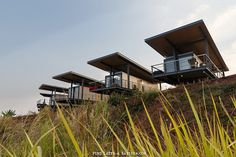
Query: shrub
[[9, 113]]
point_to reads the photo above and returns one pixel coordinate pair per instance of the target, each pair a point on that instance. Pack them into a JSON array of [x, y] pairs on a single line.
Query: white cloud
[[197, 14], [223, 31], [224, 25], [229, 56]]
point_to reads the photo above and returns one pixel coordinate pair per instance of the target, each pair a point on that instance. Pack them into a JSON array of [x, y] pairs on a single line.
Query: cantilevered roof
[[73, 77], [187, 38], [53, 88], [46, 94], [119, 62]]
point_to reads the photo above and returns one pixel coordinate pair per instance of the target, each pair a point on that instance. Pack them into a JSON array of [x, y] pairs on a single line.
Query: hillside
[[222, 90], [88, 122]]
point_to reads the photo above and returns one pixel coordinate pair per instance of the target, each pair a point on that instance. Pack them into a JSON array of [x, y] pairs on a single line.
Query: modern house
[[56, 94], [80, 86], [123, 75], [190, 54]]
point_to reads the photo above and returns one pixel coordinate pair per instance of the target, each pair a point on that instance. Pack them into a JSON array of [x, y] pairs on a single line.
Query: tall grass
[[103, 130]]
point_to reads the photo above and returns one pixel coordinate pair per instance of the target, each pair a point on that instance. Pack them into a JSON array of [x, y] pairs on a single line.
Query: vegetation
[[9, 113], [198, 122]]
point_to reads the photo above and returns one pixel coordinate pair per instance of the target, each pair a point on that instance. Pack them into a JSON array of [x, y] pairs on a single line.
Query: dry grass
[[104, 130]]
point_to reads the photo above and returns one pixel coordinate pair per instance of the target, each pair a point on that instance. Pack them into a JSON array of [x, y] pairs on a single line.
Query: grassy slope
[[90, 116], [224, 88]]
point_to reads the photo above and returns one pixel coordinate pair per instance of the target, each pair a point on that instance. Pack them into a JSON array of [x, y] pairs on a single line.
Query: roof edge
[[121, 55]]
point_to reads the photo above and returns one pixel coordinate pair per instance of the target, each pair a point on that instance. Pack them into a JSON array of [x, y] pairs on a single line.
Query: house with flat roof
[[56, 94], [80, 86], [190, 54], [123, 75]]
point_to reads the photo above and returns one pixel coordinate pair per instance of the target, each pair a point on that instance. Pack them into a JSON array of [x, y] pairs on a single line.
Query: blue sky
[[40, 39]]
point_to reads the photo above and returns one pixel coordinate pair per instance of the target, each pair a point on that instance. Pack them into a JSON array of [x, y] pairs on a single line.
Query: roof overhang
[[191, 37], [75, 78], [118, 62], [53, 88], [46, 95]]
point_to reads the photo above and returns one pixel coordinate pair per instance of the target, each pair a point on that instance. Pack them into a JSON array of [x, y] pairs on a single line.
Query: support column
[[73, 93], [53, 97], [206, 51], [55, 93], [128, 77], [111, 79], [82, 91], [71, 85], [50, 101], [79, 86], [176, 63], [78, 92]]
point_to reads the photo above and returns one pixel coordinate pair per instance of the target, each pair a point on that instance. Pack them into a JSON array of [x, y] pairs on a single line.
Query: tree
[[9, 113]]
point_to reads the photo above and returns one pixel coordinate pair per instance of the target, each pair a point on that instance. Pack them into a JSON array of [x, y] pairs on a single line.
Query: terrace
[[190, 54], [116, 82], [57, 94], [186, 69], [79, 87], [124, 75]]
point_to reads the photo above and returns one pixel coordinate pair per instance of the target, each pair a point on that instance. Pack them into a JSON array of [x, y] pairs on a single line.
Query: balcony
[[116, 85], [188, 68]]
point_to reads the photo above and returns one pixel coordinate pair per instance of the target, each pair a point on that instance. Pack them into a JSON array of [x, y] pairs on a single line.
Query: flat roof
[[118, 62], [73, 77], [53, 88], [190, 37]]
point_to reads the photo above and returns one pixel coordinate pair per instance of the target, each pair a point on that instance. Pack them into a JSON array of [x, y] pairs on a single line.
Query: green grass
[[200, 125]]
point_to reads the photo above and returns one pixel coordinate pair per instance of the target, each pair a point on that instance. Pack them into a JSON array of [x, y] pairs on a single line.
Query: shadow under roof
[[119, 62], [190, 37], [73, 77], [53, 88]]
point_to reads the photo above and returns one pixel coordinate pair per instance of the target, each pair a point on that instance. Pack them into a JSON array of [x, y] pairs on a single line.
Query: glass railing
[[119, 83], [60, 97], [187, 63]]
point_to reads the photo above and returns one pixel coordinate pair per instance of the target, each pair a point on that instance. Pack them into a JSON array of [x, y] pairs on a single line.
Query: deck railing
[[116, 83], [186, 64], [60, 97]]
